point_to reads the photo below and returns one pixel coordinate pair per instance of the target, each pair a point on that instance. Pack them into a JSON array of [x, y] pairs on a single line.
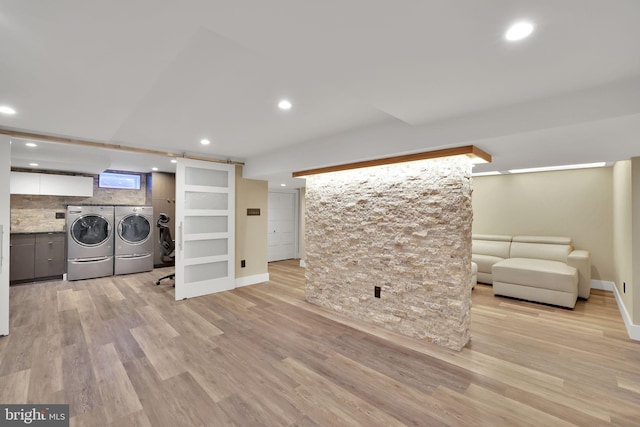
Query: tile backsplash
[[35, 220]]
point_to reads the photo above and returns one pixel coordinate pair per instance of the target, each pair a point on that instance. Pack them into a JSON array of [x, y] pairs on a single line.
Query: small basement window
[[119, 180]]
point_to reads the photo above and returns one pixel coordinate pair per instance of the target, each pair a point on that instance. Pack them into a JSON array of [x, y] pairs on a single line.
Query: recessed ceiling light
[[33, 164], [284, 104], [560, 168], [154, 169], [283, 185], [519, 31], [174, 161], [31, 144], [205, 142], [7, 110]]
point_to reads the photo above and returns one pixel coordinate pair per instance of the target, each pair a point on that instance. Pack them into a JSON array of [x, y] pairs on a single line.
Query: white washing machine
[[89, 242], [133, 239]]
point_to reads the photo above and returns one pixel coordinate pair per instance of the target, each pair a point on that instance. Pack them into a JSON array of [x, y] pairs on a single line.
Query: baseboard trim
[[632, 329], [602, 285], [251, 280], [302, 263]]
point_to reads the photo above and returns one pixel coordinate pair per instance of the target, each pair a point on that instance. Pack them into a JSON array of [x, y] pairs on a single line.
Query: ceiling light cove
[[560, 168], [7, 110], [205, 142], [518, 31], [33, 164], [31, 144], [486, 173], [284, 104]]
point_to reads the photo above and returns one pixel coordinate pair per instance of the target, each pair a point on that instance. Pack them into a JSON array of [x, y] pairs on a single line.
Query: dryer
[[134, 243], [89, 242]]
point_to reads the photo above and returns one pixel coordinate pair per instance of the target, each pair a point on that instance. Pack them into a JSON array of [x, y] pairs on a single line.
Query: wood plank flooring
[[122, 352]]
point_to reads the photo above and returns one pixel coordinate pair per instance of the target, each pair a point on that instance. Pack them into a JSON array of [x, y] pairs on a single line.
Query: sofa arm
[[581, 261]]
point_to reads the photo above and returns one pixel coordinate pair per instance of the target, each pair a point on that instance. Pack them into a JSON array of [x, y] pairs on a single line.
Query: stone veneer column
[[404, 227]]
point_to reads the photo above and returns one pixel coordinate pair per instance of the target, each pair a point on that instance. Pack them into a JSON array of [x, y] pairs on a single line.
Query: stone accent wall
[[34, 213], [403, 227]]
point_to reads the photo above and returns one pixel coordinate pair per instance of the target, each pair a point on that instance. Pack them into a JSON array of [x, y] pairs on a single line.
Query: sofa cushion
[[539, 247], [553, 240], [491, 244], [485, 262], [494, 237], [537, 273]]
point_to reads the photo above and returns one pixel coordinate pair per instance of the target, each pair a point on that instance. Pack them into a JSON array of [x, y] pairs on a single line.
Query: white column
[[5, 172]]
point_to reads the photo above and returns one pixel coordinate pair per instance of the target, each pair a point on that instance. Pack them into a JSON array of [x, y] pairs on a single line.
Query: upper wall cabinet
[[25, 183], [51, 185]]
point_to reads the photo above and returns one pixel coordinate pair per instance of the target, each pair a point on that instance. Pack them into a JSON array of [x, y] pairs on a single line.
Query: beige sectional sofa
[[534, 268]]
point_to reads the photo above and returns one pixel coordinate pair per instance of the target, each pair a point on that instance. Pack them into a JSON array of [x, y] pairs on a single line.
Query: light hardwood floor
[[122, 352]]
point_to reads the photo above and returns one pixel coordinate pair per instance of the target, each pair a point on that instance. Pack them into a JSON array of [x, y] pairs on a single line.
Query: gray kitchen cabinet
[[163, 186], [37, 256], [49, 255], [163, 200], [22, 254]]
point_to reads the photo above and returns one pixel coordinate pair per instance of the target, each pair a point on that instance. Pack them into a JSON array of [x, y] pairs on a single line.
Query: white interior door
[[283, 225], [205, 235]]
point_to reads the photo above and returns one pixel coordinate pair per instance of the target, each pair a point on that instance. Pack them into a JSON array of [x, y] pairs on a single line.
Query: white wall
[[635, 251], [5, 169], [251, 231], [622, 233]]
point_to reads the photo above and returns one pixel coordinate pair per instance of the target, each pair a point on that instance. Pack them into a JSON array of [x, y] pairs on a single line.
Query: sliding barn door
[[205, 233]]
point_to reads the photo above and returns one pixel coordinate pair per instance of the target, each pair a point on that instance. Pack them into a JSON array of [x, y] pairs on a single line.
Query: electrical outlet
[[243, 263], [376, 291]]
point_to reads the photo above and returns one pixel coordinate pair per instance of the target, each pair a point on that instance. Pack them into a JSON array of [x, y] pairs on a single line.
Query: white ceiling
[[367, 78]]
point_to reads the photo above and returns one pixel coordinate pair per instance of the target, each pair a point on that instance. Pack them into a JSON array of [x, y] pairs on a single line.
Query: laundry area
[[88, 226], [106, 240]]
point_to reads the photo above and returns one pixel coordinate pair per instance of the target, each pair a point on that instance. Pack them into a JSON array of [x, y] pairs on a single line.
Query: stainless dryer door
[[135, 235], [134, 229]]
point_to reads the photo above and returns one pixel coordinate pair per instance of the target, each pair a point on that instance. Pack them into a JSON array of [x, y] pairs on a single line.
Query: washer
[[133, 239], [89, 242]]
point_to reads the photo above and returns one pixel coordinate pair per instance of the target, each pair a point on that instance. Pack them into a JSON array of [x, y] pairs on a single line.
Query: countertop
[[36, 232]]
